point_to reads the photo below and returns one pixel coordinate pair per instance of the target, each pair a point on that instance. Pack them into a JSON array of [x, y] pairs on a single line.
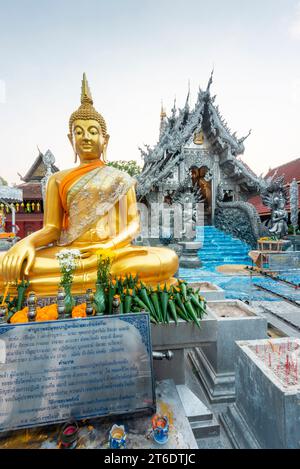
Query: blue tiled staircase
[[221, 248]]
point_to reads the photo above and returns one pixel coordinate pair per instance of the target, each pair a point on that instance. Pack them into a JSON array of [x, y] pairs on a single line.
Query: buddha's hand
[[96, 248], [22, 254]]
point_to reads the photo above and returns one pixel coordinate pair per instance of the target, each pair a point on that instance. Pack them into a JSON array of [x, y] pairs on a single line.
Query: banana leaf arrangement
[[15, 303], [162, 303]]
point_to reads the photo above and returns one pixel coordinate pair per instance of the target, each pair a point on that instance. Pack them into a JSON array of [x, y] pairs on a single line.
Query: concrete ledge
[[236, 309], [202, 421], [209, 291], [184, 335], [219, 387], [177, 338], [237, 429]]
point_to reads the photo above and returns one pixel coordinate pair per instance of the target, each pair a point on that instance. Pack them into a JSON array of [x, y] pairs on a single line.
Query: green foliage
[[291, 230], [100, 299], [131, 167], [104, 262], [163, 305]]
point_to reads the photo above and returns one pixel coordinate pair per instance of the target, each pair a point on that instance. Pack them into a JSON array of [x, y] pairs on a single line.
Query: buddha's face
[[88, 140]]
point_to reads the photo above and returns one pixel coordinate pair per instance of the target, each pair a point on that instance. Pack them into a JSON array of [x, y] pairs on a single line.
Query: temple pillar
[[214, 185]]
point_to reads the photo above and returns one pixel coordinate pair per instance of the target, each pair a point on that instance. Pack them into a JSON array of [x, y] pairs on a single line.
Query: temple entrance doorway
[[200, 177]]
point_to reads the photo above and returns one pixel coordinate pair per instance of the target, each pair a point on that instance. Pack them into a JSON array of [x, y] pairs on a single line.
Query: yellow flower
[[105, 253]]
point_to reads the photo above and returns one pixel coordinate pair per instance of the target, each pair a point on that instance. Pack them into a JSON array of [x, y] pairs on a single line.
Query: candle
[[5, 294]]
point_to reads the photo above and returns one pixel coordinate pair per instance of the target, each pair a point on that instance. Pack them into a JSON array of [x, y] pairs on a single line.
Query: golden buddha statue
[[90, 208]]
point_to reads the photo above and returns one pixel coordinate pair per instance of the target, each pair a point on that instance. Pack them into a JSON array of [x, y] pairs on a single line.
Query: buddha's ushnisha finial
[[86, 96], [86, 110]]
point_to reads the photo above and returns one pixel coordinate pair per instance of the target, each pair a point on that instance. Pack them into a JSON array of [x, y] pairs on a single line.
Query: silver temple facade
[[197, 154]]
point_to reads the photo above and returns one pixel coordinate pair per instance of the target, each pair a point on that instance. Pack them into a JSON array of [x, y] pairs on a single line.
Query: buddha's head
[[87, 129]]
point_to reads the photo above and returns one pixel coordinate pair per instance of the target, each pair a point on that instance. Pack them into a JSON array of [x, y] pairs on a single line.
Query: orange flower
[[7, 235], [47, 313], [79, 311], [20, 316]]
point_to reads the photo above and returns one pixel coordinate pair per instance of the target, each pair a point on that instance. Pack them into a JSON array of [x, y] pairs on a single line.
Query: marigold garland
[[47, 313], [79, 311]]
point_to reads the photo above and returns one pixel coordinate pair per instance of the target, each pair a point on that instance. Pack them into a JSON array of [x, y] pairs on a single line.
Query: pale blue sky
[[136, 53]]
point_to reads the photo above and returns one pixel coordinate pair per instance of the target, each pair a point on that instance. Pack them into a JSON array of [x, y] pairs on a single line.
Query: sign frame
[[135, 319]]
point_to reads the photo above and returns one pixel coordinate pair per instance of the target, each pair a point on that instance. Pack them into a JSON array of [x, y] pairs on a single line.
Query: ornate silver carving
[[10, 194], [294, 203], [48, 160], [274, 196]]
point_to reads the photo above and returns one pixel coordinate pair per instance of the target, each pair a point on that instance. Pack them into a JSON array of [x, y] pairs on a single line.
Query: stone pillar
[[13, 218], [181, 174]]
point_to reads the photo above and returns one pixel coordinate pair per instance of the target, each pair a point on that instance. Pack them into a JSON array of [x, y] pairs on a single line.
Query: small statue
[[199, 138], [279, 219], [274, 196]]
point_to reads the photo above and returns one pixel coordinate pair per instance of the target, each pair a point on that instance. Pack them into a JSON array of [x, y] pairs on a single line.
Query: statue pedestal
[[189, 258]]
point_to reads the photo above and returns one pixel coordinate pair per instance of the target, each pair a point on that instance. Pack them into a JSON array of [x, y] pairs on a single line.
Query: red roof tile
[[262, 209], [289, 170]]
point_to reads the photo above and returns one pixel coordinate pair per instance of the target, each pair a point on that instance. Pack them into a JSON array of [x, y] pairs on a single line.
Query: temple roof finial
[[210, 80], [162, 111], [241, 140], [188, 94], [174, 108]]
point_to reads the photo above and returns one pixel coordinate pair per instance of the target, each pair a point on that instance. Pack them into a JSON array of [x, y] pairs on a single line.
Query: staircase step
[[220, 247], [205, 429]]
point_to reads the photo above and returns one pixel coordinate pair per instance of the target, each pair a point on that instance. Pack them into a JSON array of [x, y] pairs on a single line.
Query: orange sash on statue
[[68, 180]]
